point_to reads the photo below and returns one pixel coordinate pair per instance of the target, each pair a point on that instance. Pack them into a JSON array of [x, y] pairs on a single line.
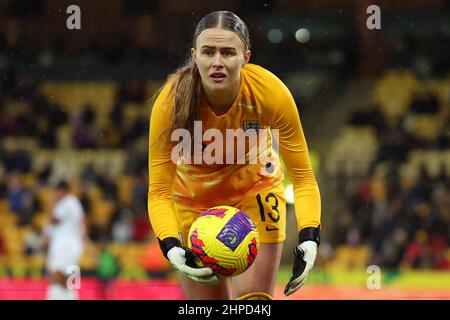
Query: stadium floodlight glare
[[275, 35], [302, 35], [289, 193]]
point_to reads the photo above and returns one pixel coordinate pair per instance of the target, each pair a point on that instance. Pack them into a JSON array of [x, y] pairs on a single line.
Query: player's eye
[[208, 52], [228, 53]]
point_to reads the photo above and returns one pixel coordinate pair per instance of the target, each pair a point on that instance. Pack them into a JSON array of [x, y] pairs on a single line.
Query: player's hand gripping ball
[[224, 239]]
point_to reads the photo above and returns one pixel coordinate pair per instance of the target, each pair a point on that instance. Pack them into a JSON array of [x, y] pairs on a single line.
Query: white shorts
[[62, 254]]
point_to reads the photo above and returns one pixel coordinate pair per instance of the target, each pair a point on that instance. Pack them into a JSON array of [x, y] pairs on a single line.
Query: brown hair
[[186, 83]]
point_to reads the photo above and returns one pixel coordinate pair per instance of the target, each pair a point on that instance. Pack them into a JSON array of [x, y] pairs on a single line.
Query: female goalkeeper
[[217, 92]]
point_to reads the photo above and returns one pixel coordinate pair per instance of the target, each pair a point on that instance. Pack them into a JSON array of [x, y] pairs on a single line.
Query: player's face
[[219, 55]]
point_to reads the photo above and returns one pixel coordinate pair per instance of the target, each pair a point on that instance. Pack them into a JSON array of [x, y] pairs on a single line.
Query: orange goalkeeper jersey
[[218, 174]]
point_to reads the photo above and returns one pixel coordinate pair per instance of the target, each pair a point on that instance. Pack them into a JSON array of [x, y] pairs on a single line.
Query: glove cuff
[[310, 233], [167, 244]]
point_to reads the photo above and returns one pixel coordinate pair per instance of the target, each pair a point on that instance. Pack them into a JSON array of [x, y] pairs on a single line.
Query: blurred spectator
[[394, 143], [417, 254], [85, 201], [362, 206], [116, 114], [96, 232], [15, 160], [424, 102], [133, 92], [393, 249], [406, 227], [137, 130], [136, 162], [89, 174], [65, 234], [88, 116], [3, 188], [141, 227], [110, 135], [46, 133], [85, 132], [353, 237], [108, 185], [140, 192], [34, 241], [152, 259], [44, 175], [443, 140], [122, 228], [421, 191], [2, 245], [373, 118], [107, 269], [25, 87], [16, 193]]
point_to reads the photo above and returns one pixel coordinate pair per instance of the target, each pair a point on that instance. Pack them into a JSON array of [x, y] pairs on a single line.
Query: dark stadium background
[[374, 105]]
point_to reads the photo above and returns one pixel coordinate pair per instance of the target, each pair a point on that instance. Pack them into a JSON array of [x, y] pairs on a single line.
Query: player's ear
[[247, 56], [193, 54]]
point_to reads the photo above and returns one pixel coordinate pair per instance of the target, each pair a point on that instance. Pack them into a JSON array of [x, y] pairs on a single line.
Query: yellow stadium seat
[[4, 207], [36, 264], [14, 248], [101, 212], [349, 257], [8, 221], [340, 258], [125, 189], [131, 112], [353, 149], [40, 219], [88, 259], [393, 92], [45, 197], [64, 136], [18, 266], [360, 257], [37, 260], [426, 127], [29, 180], [432, 160]]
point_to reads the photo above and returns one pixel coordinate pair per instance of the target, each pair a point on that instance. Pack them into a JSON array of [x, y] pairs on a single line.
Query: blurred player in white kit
[[65, 243]]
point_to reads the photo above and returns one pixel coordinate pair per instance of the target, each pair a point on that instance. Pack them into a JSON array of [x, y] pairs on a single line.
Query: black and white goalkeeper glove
[[182, 259], [305, 256]]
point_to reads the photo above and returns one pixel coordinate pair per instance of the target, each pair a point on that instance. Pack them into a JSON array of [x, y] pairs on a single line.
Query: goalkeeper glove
[[305, 255], [183, 260]]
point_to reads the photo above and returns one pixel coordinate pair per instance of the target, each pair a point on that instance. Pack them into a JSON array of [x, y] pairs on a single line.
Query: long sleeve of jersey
[[294, 151], [161, 170]]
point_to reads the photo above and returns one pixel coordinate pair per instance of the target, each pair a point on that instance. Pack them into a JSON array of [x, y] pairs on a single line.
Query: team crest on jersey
[[252, 125]]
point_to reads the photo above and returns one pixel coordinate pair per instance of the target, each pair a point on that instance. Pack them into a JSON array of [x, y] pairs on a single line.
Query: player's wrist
[[310, 234], [168, 243]]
